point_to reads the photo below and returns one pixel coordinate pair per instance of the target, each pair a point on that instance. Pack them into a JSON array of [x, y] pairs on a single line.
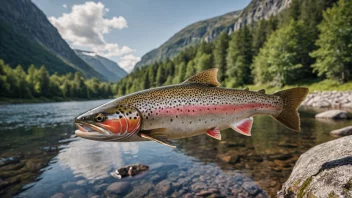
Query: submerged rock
[[118, 188], [58, 195], [334, 114], [324, 170], [342, 132], [163, 188], [8, 160]]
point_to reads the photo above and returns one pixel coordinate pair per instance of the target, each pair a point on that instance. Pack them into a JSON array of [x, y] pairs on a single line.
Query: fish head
[[109, 122]]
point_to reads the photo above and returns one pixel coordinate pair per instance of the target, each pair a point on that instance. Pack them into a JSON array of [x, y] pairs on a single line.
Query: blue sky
[[130, 28]]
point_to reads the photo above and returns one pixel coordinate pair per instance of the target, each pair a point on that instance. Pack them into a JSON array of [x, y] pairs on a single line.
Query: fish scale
[[199, 106]]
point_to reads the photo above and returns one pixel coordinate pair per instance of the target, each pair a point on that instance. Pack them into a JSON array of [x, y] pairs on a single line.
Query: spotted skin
[[193, 108], [197, 106]]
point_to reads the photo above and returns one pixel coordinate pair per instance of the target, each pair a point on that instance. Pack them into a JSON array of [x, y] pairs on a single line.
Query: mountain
[[27, 37], [208, 30], [108, 68]]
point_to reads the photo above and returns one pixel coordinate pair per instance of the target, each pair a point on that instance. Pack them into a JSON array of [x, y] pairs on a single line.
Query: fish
[[197, 106]]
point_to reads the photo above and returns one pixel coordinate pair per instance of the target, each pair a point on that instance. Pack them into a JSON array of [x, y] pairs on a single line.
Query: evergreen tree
[[333, 57], [279, 62], [220, 52], [239, 57]]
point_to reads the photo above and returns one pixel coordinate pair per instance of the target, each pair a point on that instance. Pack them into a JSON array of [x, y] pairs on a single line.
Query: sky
[[125, 30]]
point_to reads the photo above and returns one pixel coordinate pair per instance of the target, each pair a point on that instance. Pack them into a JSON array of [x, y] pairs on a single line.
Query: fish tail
[[291, 98]]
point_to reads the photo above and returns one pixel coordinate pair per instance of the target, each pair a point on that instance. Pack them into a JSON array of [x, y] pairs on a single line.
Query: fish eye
[[100, 117]]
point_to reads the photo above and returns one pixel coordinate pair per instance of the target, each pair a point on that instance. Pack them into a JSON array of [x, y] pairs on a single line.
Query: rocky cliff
[[210, 29], [108, 68], [28, 37]]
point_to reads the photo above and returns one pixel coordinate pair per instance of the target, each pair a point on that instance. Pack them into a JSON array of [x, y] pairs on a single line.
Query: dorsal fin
[[261, 91], [208, 77]]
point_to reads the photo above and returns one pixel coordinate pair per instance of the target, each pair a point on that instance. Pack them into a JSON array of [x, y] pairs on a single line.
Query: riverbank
[[329, 99]]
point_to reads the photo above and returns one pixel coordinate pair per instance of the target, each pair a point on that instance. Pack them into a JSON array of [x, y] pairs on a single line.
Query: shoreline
[[329, 99]]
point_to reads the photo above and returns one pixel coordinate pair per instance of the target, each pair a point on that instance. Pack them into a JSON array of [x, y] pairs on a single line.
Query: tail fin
[[292, 98]]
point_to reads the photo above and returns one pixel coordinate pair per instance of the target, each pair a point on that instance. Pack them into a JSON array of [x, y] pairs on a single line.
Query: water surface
[[50, 160]]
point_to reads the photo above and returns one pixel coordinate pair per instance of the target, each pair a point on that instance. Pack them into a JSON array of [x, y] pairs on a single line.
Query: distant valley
[[108, 68]]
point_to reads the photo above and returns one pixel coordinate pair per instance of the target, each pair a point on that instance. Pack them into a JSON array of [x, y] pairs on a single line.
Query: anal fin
[[157, 135], [214, 133], [244, 126]]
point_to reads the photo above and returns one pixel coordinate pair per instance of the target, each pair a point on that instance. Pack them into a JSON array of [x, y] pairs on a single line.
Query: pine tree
[[334, 56], [220, 52], [239, 57]]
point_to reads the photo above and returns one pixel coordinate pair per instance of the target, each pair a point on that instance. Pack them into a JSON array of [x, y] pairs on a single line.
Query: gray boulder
[[342, 132], [323, 171], [334, 114]]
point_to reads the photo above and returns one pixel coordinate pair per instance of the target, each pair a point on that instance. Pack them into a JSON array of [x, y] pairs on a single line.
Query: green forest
[[309, 42], [34, 83]]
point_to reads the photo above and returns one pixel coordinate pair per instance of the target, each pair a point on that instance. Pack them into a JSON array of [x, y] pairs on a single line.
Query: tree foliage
[[17, 83], [334, 55], [281, 60]]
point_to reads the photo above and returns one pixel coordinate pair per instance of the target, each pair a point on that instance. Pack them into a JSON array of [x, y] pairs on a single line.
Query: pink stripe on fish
[[200, 109]]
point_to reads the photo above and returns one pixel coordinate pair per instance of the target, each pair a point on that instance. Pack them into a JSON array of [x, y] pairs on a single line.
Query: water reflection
[[93, 160]]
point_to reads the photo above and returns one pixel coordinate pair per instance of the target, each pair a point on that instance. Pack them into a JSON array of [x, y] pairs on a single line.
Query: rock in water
[[129, 170], [323, 171], [342, 132], [334, 114]]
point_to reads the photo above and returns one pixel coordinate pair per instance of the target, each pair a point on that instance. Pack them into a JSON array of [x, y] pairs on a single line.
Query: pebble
[[163, 187], [81, 182], [204, 193], [118, 188], [58, 195], [77, 193]]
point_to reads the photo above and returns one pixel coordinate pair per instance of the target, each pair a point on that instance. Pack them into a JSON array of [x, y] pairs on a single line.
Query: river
[[41, 157]]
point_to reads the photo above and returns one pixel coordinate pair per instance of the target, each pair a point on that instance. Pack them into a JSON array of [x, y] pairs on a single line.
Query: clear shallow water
[[51, 161]]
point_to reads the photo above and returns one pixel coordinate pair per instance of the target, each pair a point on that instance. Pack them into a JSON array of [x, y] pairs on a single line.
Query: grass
[[325, 85]]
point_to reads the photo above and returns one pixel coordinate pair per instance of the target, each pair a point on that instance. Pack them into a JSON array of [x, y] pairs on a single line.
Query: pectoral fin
[[157, 135], [244, 126], [214, 133]]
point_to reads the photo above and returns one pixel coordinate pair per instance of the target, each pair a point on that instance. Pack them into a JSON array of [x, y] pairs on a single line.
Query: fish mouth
[[90, 131]]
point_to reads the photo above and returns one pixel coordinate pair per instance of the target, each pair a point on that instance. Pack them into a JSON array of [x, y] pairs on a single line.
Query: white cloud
[[111, 49], [128, 61], [64, 5], [85, 27]]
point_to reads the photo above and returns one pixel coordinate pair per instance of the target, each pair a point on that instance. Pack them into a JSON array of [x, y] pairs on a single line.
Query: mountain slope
[[210, 29], [28, 37], [109, 69]]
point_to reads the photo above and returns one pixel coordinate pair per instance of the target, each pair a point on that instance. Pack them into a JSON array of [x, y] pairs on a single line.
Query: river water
[[41, 157]]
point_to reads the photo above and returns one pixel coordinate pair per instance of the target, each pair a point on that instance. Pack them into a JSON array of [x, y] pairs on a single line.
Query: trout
[[194, 107]]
